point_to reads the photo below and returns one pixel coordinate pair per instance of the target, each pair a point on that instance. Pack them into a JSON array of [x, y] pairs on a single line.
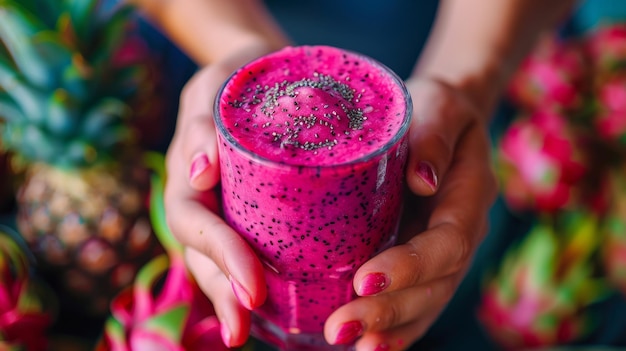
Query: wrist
[[481, 83]]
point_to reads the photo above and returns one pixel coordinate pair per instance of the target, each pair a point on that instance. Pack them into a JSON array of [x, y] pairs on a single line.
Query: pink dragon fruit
[[24, 319], [552, 76], [540, 295], [613, 247], [610, 118], [540, 163], [606, 48], [174, 317]]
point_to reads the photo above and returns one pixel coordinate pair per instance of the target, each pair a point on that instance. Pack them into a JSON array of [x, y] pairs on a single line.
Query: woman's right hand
[[223, 264]]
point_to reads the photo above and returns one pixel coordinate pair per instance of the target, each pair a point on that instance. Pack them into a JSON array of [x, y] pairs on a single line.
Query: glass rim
[[401, 133]]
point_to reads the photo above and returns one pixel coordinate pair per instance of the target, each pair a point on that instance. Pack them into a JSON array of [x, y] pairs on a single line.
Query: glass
[[312, 225]]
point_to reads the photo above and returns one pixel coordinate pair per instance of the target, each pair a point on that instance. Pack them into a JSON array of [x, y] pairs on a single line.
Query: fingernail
[[382, 347], [427, 173], [349, 331], [198, 165], [372, 284], [241, 294], [225, 334]]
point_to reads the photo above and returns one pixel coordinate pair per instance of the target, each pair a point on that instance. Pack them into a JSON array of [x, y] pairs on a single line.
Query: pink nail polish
[[348, 332], [225, 332], [373, 283], [241, 294], [382, 347], [427, 173], [198, 165]]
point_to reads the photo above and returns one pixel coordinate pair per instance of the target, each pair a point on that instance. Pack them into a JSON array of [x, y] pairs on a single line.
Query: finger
[[195, 132], [388, 311], [441, 116], [193, 219], [234, 318], [395, 339], [456, 226]]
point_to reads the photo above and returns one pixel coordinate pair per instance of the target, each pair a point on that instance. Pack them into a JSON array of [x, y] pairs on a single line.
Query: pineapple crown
[[64, 100]]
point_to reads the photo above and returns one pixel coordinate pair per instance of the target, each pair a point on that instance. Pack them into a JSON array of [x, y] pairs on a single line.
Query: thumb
[[441, 115]]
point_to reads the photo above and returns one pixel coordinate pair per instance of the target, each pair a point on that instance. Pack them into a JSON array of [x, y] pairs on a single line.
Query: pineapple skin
[[89, 230]]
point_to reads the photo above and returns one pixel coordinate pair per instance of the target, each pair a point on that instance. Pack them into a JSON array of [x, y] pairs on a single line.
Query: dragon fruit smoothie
[[312, 143]]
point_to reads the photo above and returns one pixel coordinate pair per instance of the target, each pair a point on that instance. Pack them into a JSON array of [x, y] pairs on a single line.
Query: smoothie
[[312, 151]]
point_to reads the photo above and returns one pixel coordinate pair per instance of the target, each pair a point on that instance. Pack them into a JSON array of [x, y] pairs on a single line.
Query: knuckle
[[417, 263], [387, 315]]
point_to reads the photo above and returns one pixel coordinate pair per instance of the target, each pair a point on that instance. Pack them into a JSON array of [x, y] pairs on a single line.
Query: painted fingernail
[[198, 165], [427, 173], [226, 336], [382, 347], [372, 284], [349, 331], [241, 294]]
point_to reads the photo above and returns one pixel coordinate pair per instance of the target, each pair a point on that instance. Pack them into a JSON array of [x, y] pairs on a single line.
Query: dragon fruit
[[173, 317], [541, 164], [613, 247], [553, 76], [610, 118], [606, 48], [541, 294], [24, 318]]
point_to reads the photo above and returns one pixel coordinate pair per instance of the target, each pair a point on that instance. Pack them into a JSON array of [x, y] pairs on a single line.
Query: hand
[[452, 187], [217, 256]]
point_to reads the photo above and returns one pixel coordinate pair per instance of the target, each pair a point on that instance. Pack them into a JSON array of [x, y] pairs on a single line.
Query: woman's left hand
[[452, 187]]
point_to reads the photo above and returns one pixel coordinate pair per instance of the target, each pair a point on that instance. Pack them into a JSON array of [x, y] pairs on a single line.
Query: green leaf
[[17, 28], [114, 29], [56, 53], [76, 82], [42, 147], [63, 112], [114, 330], [170, 323], [9, 111], [26, 97], [82, 14], [47, 10], [157, 205], [78, 153], [103, 117]]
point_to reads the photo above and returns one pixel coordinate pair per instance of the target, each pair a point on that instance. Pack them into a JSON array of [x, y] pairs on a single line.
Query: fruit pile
[[563, 161]]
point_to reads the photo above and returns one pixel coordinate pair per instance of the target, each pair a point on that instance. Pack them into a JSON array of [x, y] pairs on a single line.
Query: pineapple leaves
[[25, 96], [113, 35], [63, 114], [46, 10], [104, 123], [81, 14], [17, 27], [9, 111]]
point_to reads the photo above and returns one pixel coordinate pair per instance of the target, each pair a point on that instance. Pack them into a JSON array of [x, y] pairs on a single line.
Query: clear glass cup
[[312, 226]]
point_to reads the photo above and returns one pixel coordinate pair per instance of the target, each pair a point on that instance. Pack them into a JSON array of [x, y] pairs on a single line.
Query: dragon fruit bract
[[551, 77], [24, 319], [540, 163], [540, 294], [173, 317]]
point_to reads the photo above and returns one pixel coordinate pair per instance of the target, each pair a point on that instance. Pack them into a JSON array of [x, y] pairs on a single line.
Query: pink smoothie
[[312, 151]]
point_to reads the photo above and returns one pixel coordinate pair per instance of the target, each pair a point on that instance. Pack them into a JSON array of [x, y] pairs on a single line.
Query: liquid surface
[[312, 106]]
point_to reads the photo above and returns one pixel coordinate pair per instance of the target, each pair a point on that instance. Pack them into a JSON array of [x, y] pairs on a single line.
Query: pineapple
[[64, 99]]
